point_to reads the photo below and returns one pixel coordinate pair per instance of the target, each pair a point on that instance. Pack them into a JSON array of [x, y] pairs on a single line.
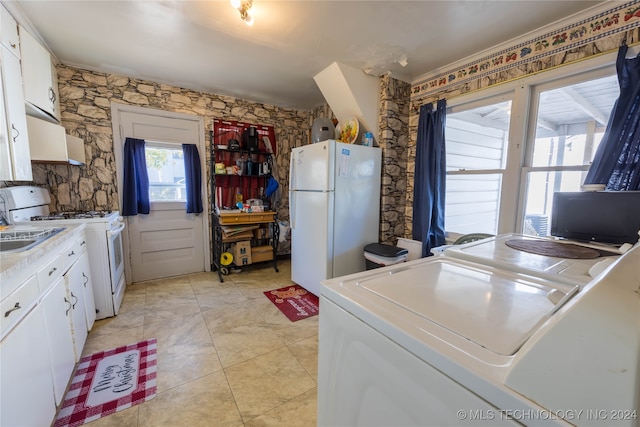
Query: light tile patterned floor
[[226, 355]]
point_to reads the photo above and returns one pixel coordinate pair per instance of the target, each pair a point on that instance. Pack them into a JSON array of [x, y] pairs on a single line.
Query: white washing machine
[[445, 341], [495, 251]]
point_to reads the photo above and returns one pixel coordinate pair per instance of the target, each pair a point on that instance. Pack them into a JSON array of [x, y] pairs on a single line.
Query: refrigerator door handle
[[292, 209], [292, 174]]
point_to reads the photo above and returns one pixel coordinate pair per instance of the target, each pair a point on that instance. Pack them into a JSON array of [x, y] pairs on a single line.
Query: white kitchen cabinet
[[87, 287], [15, 155], [74, 280], [9, 32], [77, 255], [38, 350], [25, 374], [40, 78], [16, 303], [57, 310]]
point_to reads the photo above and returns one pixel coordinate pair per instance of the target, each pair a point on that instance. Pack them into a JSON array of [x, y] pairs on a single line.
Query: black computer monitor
[[597, 216]]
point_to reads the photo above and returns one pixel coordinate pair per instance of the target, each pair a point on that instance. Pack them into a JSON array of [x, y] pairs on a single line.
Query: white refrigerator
[[334, 209]]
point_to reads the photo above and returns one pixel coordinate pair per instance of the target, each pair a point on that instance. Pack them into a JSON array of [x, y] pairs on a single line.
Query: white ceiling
[[204, 46]]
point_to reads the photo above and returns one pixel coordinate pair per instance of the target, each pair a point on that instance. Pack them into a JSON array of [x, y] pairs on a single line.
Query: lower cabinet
[[48, 316], [76, 278], [58, 310], [84, 274], [25, 370]]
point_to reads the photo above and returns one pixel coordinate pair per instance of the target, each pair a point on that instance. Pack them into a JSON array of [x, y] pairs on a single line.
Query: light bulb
[[248, 19], [235, 4]]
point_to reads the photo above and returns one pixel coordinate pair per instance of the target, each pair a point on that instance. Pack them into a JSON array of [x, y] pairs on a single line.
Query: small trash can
[[378, 255]]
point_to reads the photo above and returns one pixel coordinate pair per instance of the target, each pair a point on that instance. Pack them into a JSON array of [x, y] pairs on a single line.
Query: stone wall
[[86, 99], [393, 122]]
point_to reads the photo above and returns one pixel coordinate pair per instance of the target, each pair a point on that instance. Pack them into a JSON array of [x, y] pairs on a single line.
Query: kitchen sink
[[23, 240]]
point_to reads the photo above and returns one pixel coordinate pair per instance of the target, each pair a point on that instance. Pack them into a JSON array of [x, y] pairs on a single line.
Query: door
[[75, 295], [311, 167], [168, 241], [26, 385], [57, 311], [311, 219], [87, 287], [19, 152]]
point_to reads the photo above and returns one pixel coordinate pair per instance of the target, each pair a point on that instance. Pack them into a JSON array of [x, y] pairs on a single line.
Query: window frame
[[490, 99], [524, 94], [164, 204]]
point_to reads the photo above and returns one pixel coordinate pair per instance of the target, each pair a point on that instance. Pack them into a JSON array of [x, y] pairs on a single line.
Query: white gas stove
[[29, 205]]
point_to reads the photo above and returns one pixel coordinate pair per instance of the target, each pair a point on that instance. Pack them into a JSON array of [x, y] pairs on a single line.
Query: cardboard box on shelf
[[241, 235], [261, 253], [242, 253], [261, 233], [243, 260]]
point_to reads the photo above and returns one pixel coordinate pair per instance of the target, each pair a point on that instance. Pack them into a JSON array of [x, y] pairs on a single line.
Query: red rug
[[108, 382], [294, 301]]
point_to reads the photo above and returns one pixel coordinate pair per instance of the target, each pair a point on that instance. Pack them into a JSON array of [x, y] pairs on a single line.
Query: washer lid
[[494, 251], [494, 308]]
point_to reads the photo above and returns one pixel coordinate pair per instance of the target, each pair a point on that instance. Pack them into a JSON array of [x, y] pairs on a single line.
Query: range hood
[[351, 92], [49, 143]]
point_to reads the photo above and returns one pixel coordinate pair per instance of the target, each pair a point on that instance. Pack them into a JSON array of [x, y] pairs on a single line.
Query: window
[[501, 172], [570, 120], [476, 144], [165, 167]]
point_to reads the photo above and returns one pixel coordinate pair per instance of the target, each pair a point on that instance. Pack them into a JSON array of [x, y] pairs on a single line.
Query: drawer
[[18, 304], [73, 252], [247, 218], [51, 271]]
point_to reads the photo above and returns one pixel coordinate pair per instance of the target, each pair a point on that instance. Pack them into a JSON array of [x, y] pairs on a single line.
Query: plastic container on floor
[[379, 255]]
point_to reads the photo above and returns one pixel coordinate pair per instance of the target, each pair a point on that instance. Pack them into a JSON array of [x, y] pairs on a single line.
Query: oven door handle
[[117, 231]]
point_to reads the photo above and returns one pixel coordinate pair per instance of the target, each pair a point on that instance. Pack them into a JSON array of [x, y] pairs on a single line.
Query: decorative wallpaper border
[[618, 19]]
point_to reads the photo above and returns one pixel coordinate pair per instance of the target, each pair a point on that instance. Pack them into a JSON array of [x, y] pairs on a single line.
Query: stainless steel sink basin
[[13, 245], [23, 240]]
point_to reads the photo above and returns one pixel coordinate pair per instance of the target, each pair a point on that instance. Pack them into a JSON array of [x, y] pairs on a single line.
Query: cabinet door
[[84, 274], [9, 32], [75, 294], [25, 374], [37, 74], [6, 166], [57, 310], [16, 118]]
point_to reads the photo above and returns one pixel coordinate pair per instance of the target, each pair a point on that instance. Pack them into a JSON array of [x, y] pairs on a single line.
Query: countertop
[[14, 263]]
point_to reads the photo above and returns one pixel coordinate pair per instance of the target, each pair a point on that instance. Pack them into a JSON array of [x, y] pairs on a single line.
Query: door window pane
[[165, 167]]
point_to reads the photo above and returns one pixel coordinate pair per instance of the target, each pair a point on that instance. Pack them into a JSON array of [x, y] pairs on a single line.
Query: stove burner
[[71, 215]]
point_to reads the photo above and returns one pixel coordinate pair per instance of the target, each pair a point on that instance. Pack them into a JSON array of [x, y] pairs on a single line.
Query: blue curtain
[[135, 192], [193, 178], [617, 161], [430, 178]]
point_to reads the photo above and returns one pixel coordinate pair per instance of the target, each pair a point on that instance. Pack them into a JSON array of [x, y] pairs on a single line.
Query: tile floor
[[226, 355]]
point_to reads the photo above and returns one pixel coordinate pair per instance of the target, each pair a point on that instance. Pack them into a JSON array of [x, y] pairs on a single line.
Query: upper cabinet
[[15, 159], [9, 32], [15, 144], [39, 77]]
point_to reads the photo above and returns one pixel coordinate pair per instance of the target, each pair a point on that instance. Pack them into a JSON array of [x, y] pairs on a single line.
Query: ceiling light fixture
[[243, 7]]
